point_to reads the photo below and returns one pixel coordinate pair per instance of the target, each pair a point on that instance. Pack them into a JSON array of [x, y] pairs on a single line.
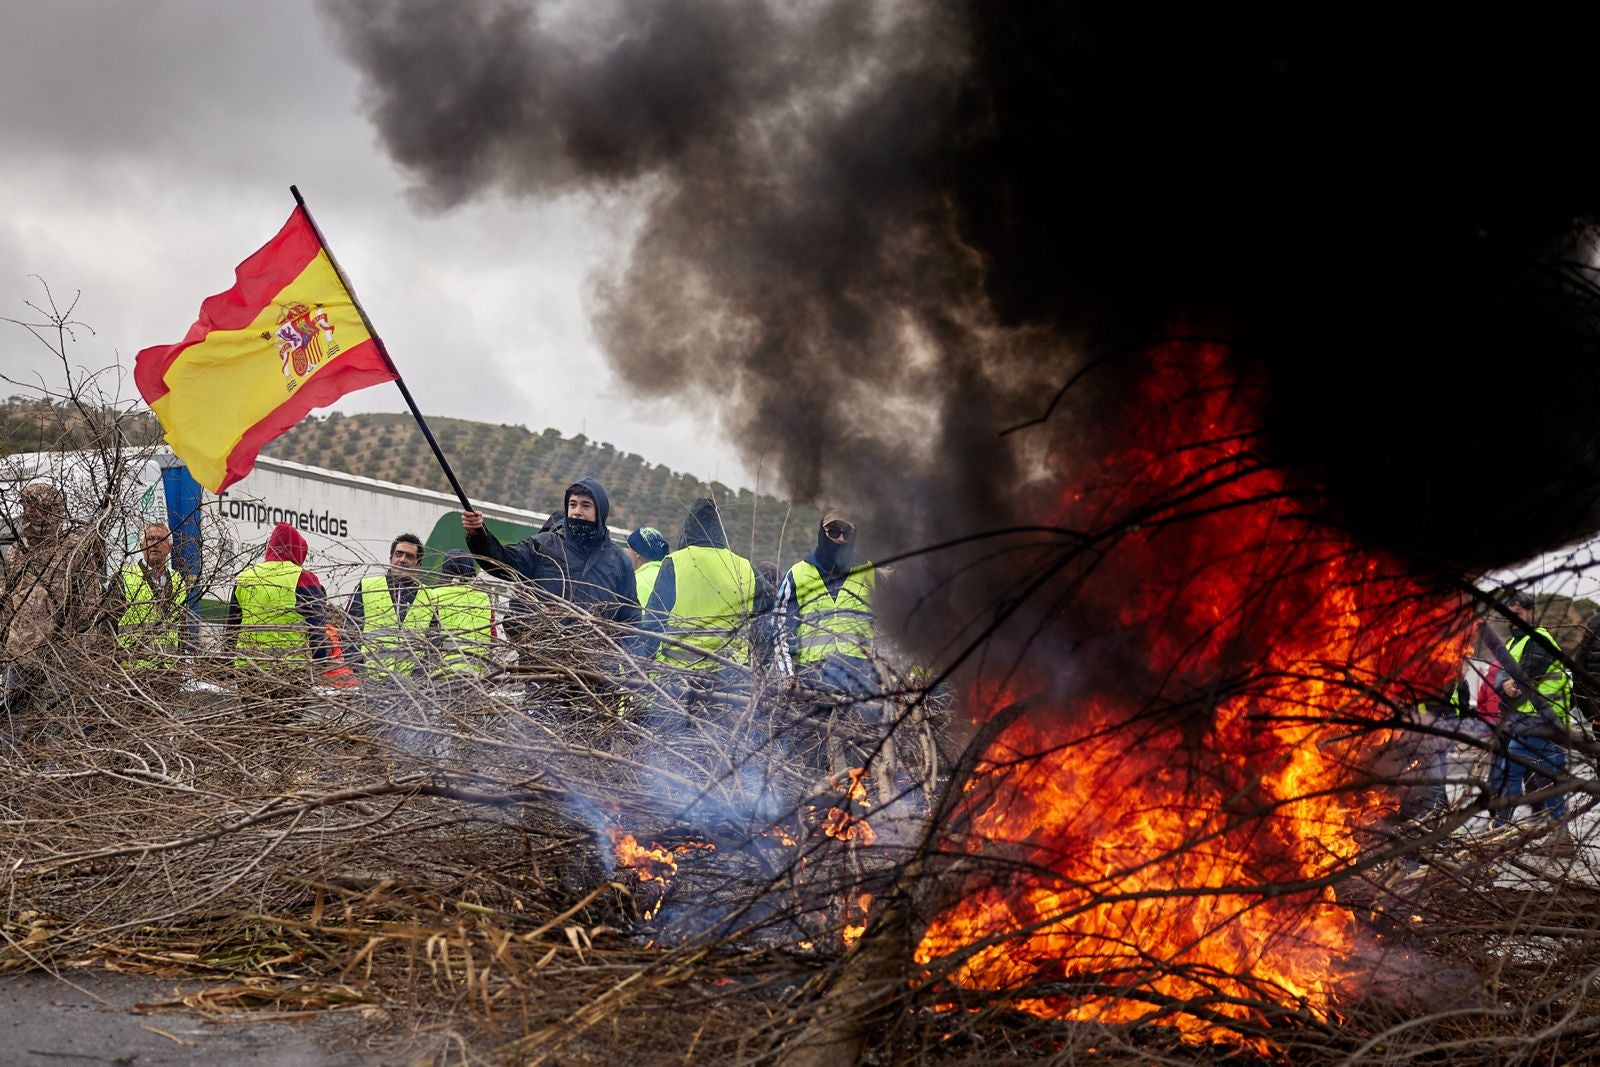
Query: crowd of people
[[700, 613], [700, 607]]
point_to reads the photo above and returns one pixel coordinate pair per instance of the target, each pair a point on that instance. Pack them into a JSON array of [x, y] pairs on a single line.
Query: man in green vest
[[704, 597], [148, 603], [393, 612], [647, 547], [278, 611], [464, 616], [1535, 714], [826, 607]]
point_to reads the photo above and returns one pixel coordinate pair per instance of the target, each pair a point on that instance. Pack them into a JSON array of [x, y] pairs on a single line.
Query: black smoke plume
[[876, 235]]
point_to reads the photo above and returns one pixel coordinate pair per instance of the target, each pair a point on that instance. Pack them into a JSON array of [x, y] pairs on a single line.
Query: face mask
[[583, 531]]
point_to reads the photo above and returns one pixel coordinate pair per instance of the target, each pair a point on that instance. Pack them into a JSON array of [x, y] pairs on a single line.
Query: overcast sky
[[149, 147]]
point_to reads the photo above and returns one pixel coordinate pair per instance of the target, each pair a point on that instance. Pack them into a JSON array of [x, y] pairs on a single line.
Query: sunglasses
[[839, 529]]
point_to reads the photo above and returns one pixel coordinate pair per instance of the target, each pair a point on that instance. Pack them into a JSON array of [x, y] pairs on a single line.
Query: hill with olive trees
[[513, 465]]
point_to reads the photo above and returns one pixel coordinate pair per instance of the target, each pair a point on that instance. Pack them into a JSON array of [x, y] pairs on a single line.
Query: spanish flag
[[288, 337]]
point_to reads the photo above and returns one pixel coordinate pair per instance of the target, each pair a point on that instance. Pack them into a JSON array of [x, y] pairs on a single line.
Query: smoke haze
[[876, 236]]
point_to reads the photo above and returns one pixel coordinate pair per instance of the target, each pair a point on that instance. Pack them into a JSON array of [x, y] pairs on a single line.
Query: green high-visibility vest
[[465, 620], [833, 624], [143, 625], [716, 594], [1555, 686], [388, 641], [268, 619], [645, 578]]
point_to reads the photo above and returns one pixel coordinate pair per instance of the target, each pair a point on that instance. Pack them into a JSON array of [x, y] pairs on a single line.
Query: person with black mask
[[826, 607], [574, 560], [704, 598]]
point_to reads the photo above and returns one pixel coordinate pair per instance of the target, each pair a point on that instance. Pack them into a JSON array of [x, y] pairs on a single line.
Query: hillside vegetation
[[511, 465], [504, 464]]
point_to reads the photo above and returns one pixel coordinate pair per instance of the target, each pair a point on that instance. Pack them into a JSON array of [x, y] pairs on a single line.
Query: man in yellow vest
[[826, 607], [393, 612], [464, 616], [704, 598], [278, 611], [148, 602], [647, 547], [1535, 714]]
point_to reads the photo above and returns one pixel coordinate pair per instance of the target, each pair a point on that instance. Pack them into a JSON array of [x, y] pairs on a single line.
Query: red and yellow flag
[[285, 339]]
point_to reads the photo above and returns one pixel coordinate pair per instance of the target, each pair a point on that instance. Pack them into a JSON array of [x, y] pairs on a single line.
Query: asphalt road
[[88, 1017]]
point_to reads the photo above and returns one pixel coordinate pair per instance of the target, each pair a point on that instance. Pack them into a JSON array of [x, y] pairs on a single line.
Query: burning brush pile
[[1192, 818], [1314, 293], [1176, 836]]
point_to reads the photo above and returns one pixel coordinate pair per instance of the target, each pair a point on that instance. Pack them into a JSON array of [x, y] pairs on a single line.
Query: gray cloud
[[150, 148]]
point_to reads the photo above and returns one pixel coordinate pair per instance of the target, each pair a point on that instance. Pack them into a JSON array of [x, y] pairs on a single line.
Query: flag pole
[[438, 453]]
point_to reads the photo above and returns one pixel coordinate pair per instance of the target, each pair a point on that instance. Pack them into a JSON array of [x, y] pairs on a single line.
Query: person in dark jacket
[[574, 560], [705, 597]]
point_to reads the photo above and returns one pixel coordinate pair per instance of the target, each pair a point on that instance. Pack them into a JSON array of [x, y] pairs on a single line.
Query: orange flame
[[842, 825], [856, 925], [654, 864], [650, 864], [1170, 834]]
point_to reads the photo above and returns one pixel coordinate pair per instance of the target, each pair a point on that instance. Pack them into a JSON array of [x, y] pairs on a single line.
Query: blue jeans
[[1530, 763]]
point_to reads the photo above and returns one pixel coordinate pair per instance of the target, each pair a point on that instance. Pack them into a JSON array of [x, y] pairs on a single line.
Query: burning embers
[[653, 864], [1162, 840], [843, 823]]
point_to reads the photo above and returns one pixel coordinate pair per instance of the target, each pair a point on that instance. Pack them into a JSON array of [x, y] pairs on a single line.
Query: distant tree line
[[514, 466]]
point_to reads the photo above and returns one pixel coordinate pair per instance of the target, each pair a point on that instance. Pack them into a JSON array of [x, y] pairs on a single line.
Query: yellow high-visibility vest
[[268, 619], [833, 624], [716, 594], [1555, 686], [465, 621], [142, 626], [645, 578], [388, 641]]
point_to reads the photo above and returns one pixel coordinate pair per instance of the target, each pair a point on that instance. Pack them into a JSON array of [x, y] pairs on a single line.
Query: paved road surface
[[45, 1022]]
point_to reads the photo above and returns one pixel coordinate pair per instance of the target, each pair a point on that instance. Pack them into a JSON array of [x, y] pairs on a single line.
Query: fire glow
[[657, 863], [1164, 837], [844, 825]]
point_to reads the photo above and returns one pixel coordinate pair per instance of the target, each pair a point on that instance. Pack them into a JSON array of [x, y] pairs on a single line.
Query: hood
[[581, 534], [828, 557], [286, 543], [458, 563], [703, 527], [602, 502]]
